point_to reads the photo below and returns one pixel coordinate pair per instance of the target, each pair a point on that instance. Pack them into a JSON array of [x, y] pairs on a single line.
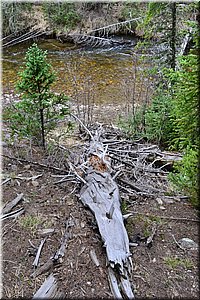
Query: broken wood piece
[[13, 214], [49, 289], [133, 244], [5, 181], [67, 235], [9, 206], [43, 269], [94, 257], [57, 257], [114, 284], [28, 178], [46, 231], [36, 260]]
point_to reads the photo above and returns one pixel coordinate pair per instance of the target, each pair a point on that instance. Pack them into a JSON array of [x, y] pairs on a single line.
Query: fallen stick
[[13, 214], [5, 181], [34, 163], [178, 243], [67, 235], [9, 206], [36, 260], [86, 129]]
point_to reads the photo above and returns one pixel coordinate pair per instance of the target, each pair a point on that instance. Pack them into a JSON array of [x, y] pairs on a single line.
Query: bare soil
[[163, 270]]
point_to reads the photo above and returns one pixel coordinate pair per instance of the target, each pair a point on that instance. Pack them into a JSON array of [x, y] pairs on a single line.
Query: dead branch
[[86, 129], [67, 235], [34, 163], [36, 260], [5, 181], [43, 269], [9, 206], [115, 25], [59, 254], [13, 214], [178, 243]]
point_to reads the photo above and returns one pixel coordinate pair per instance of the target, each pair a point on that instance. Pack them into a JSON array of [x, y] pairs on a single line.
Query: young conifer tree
[[39, 108]]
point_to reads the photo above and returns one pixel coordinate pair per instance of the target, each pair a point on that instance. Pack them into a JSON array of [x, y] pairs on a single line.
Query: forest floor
[[164, 270]]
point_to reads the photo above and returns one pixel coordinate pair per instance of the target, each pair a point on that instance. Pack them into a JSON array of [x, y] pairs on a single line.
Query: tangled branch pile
[[140, 168]]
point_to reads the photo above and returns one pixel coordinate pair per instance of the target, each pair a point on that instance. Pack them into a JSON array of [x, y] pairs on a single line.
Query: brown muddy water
[[104, 78]]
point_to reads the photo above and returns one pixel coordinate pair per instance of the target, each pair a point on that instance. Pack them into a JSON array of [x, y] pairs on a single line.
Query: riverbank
[[68, 22]]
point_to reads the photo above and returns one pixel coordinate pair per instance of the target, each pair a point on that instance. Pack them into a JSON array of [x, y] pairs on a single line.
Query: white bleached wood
[[48, 290], [101, 195]]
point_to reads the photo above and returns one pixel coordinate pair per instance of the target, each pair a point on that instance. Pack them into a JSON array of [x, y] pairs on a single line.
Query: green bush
[[61, 14], [157, 120], [184, 103], [185, 176], [152, 122]]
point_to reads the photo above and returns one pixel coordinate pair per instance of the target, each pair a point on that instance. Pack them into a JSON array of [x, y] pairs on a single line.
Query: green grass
[[30, 222], [174, 262]]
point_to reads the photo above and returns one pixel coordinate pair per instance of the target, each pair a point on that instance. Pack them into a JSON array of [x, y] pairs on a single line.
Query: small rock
[[82, 224], [159, 200], [188, 244], [154, 260], [14, 168], [162, 207], [35, 183], [27, 167]]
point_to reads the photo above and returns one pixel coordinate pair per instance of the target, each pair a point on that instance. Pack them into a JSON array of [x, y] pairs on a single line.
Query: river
[[108, 77]]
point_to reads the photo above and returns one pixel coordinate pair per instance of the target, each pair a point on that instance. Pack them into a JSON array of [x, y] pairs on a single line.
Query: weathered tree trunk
[[101, 195]]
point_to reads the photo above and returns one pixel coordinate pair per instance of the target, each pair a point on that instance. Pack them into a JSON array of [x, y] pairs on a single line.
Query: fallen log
[[101, 194]]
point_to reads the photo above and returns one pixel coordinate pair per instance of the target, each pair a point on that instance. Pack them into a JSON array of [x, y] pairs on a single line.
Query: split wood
[[49, 289]]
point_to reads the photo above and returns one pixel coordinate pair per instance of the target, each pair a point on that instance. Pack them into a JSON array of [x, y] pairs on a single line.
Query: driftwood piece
[[49, 289], [94, 257], [101, 195], [36, 260], [9, 206]]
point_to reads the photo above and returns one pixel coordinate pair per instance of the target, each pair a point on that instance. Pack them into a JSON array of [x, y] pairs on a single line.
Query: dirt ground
[[163, 270]]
